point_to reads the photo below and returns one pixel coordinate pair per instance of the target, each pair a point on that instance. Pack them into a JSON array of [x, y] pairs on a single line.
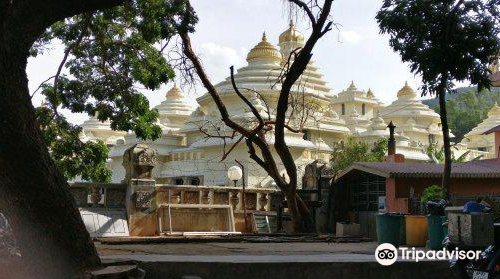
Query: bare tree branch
[[306, 9], [250, 105], [298, 66], [40, 86], [231, 149]]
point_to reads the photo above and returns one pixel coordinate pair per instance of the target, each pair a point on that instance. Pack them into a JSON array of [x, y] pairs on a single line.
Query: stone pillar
[[139, 161], [263, 199]]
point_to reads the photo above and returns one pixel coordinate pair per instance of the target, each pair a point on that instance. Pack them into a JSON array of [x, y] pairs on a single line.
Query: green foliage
[[433, 192], [72, 156], [468, 108], [350, 151], [454, 40], [109, 55]]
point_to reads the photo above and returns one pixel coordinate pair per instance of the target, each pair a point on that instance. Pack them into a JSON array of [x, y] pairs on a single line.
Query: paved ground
[[291, 260], [238, 249]]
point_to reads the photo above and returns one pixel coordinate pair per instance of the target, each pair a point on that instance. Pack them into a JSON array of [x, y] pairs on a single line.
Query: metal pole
[[243, 192]]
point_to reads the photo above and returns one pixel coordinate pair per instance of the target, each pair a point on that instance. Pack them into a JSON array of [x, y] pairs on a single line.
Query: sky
[[228, 29]]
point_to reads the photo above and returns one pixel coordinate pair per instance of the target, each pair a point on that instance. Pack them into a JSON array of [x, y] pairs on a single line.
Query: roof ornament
[[175, 91], [378, 122], [264, 51], [352, 87], [291, 35], [370, 94], [406, 91]]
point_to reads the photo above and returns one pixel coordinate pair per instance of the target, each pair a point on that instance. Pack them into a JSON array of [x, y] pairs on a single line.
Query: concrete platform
[[269, 261]]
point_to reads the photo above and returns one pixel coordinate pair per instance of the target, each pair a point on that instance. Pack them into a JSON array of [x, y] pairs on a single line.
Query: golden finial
[[264, 50], [291, 34]]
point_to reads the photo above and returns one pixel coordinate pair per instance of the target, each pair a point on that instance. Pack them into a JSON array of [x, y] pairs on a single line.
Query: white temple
[[187, 156], [475, 138]]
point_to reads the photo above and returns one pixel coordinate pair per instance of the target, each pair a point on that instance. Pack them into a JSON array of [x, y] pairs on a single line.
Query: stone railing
[[89, 194], [257, 199]]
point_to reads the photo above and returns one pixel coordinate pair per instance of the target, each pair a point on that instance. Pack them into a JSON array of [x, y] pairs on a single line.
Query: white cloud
[[217, 59], [349, 36]]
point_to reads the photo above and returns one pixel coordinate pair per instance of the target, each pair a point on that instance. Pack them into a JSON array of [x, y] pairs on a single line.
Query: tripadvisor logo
[[387, 254]]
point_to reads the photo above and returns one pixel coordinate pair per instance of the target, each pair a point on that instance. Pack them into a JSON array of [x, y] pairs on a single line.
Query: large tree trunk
[[445, 183], [35, 197], [299, 212]]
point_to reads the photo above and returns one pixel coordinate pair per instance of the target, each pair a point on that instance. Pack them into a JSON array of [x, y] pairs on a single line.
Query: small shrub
[[433, 192]]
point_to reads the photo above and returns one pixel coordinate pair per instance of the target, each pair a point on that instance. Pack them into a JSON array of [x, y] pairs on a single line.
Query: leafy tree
[[468, 109], [345, 153], [443, 41], [73, 157], [433, 192], [112, 47]]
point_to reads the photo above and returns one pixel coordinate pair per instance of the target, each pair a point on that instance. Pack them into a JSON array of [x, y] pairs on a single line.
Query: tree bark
[[35, 197], [445, 182]]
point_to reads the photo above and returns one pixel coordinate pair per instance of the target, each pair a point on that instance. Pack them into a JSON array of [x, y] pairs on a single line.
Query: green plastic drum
[[435, 231], [389, 228]]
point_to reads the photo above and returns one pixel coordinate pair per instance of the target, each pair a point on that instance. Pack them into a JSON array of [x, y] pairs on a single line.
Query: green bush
[[433, 192]]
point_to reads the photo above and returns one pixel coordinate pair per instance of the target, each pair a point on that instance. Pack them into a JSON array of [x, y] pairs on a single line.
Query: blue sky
[[228, 29]]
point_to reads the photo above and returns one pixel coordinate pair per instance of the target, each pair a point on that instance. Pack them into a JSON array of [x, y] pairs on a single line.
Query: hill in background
[[466, 108]]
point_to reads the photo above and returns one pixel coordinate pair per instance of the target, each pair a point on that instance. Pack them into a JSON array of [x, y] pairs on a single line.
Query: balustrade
[[257, 199], [89, 194]]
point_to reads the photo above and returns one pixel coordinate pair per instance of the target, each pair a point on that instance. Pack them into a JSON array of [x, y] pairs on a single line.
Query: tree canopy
[[444, 41], [347, 152], [110, 55], [113, 49], [467, 108]]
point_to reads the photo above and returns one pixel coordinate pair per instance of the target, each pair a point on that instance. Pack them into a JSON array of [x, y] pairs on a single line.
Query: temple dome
[[264, 51], [174, 92], [175, 110], [407, 91], [94, 129], [378, 123], [175, 103], [291, 35]]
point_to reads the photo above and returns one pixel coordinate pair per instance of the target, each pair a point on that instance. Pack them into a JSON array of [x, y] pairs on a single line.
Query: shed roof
[[492, 130], [489, 168]]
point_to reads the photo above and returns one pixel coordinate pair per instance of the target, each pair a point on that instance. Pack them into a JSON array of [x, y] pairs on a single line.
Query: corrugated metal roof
[[474, 169]]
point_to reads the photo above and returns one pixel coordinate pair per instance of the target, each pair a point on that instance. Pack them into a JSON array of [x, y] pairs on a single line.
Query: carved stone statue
[[139, 161]]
